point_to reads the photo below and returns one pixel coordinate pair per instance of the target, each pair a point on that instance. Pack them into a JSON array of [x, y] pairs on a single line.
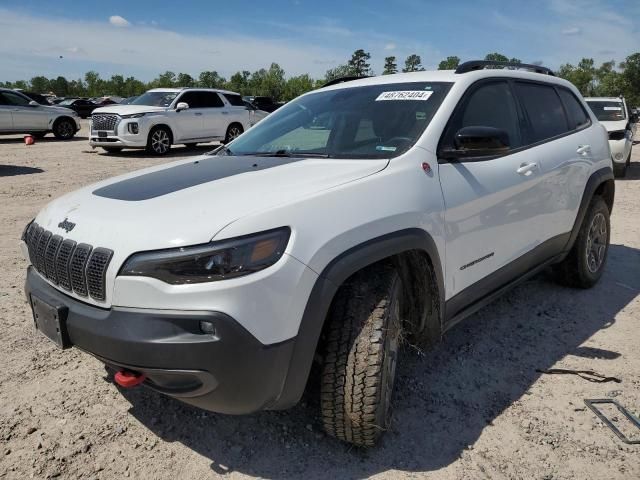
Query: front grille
[[75, 267], [104, 121]]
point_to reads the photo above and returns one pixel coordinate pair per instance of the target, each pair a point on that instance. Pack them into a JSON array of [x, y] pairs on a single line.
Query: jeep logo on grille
[[66, 225]]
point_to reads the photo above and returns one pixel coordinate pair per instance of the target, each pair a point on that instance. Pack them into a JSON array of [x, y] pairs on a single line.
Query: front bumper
[[120, 136], [227, 372], [620, 150]]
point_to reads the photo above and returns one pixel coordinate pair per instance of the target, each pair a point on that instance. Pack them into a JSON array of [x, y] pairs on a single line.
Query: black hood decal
[[173, 179]]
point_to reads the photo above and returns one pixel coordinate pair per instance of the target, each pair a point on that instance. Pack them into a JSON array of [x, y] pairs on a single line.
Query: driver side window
[[489, 105]]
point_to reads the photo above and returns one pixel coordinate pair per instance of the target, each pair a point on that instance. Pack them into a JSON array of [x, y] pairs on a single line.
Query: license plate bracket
[[51, 320], [102, 134]]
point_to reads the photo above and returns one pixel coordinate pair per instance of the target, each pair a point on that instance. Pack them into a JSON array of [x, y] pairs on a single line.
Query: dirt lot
[[474, 407]]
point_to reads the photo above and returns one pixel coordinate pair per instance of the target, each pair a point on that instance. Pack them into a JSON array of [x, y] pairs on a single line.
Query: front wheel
[[362, 346], [585, 263], [64, 129], [159, 141], [233, 132]]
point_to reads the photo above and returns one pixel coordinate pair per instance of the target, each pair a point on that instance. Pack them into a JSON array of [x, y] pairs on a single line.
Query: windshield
[[607, 111], [377, 121], [155, 99], [67, 102]]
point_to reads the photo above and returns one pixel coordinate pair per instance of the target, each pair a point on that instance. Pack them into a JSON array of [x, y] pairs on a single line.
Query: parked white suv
[[352, 218], [612, 112], [167, 116], [20, 114]]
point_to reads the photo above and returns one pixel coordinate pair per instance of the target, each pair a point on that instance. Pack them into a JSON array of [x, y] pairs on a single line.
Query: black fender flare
[[326, 286], [597, 178]]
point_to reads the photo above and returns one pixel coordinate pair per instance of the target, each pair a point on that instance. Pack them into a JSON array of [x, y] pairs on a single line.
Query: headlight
[[133, 115], [212, 261]]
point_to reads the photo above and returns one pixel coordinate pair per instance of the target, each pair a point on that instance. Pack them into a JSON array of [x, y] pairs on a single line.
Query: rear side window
[[490, 105], [544, 111], [235, 100], [211, 100], [578, 118]]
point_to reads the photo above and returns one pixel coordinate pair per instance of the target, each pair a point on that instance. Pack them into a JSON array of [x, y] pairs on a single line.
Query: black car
[[79, 105], [41, 99]]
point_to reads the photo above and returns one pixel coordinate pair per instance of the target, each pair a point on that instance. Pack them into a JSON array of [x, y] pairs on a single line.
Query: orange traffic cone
[[29, 140]]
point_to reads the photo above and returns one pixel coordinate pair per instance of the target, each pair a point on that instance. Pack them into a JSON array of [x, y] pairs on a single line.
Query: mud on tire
[[361, 350]]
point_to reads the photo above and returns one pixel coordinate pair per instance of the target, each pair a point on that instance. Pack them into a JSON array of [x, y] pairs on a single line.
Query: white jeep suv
[[20, 114], [613, 114], [167, 116], [354, 217]]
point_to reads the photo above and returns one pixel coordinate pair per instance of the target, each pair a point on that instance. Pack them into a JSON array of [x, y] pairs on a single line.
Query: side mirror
[[182, 106], [479, 141], [33, 103]]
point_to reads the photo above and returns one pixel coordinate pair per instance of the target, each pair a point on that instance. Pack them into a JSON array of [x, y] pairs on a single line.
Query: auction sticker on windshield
[[405, 95]]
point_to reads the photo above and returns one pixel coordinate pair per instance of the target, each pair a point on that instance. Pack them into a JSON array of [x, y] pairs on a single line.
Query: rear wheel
[[159, 141], [362, 345], [64, 129], [112, 149], [585, 263], [233, 132]]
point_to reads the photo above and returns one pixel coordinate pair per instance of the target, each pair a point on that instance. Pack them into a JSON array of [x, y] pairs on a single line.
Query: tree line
[[608, 79]]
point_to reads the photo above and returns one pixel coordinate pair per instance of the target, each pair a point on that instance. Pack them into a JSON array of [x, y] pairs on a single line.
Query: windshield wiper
[[286, 154]]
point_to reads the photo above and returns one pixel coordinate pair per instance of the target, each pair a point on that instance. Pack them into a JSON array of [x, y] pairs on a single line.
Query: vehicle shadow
[[633, 172], [445, 398], [49, 138], [13, 170], [176, 151]]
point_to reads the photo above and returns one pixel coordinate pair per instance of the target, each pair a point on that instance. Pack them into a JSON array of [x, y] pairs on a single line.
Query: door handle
[[225, 113], [527, 169], [197, 114], [583, 149]]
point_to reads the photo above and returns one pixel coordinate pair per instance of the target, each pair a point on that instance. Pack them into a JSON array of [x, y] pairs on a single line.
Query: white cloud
[[390, 46], [118, 21], [571, 31]]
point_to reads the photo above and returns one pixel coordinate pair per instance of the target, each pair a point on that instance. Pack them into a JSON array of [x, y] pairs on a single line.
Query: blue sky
[[144, 38]]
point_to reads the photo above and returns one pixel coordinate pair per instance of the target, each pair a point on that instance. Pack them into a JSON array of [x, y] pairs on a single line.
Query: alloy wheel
[[596, 243]]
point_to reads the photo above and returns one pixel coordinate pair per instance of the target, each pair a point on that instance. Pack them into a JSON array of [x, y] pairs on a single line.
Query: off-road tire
[[233, 131], [112, 149], [157, 145], [361, 350], [64, 129], [577, 269]]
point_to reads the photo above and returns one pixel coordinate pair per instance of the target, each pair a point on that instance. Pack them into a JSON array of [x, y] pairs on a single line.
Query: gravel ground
[[473, 407]]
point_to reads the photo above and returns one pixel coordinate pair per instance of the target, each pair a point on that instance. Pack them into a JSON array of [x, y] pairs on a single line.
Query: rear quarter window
[[578, 117]]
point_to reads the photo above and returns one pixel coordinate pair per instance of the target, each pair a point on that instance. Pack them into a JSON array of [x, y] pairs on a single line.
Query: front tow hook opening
[[129, 379]]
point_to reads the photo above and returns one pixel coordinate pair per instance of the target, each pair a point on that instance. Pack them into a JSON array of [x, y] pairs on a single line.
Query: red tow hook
[[129, 379]]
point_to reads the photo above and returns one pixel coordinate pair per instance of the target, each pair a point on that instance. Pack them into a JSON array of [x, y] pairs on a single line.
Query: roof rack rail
[[481, 64], [336, 81]]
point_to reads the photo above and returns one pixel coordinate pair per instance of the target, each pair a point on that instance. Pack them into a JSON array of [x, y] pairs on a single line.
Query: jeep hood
[[188, 202], [129, 109]]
